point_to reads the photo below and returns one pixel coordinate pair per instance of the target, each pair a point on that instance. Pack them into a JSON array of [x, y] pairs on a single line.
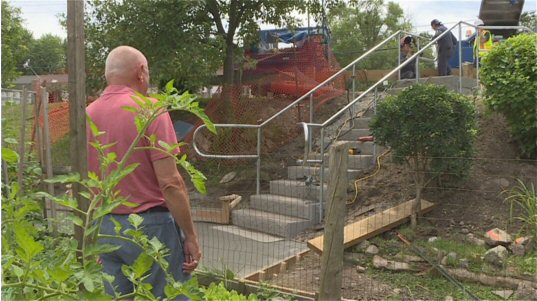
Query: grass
[[526, 265], [470, 252], [524, 198]]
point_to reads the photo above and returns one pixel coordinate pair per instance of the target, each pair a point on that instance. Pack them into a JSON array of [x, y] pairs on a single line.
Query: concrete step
[[266, 222], [354, 134], [362, 123], [286, 205], [364, 148], [451, 82], [302, 172], [361, 162], [296, 189]]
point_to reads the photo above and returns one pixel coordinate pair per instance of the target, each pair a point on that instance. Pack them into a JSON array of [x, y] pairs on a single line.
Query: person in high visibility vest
[[483, 43]]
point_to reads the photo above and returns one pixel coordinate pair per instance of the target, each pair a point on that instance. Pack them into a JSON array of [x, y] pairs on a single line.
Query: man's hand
[[192, 255]]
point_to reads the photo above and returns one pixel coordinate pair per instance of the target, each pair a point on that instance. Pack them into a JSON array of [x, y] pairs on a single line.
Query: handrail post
[[353, 81], [460, 58], [477, 58], [399, 54], [258, 163], [321, 178], [311, 121], [418, 63]]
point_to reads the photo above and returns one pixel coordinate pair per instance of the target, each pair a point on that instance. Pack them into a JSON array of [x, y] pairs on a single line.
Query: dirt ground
[[476, 205]]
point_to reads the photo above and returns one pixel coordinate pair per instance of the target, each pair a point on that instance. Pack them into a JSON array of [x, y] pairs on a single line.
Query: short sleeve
[[163, 130]]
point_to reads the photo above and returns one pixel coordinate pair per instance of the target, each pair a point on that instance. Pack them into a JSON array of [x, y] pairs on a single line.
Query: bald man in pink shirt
[[155, 185]]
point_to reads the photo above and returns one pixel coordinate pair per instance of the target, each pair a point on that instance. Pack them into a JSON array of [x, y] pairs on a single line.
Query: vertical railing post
[[399, 54], [353, 81], [311, 121], [258, 163], [418, 62], [476, 49], [460, 58], [321, 178]]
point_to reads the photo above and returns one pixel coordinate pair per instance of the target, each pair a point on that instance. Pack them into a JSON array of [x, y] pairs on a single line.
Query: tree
[[174, 35], [509, 74], [529, 19], [48, 55], [15, 43], [357, 26], [429, 147]]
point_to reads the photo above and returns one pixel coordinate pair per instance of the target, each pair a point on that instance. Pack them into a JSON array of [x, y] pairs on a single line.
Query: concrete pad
[[241, 252]]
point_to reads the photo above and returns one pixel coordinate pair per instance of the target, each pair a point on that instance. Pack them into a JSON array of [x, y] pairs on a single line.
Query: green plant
[[429, 129], [36, 266], [509, 74], [525, 198]]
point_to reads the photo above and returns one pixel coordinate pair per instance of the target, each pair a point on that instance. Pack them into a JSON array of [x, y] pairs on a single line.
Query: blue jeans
[[155, 224]]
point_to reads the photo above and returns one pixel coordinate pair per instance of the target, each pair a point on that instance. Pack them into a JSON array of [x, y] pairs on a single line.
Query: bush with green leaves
[[524, 198], [509, 75], [38, 266], [431, 130]]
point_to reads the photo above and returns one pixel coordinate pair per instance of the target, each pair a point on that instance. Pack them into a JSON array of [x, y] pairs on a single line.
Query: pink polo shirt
[[141, 186]]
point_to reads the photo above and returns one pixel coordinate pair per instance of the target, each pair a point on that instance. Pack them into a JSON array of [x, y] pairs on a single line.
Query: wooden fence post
[[332, 258], [20, 172], [48, 160]]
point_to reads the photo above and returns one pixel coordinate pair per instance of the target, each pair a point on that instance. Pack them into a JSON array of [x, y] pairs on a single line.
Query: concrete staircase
[[292, 204]]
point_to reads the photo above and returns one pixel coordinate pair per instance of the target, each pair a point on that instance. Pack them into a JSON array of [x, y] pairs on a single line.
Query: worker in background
[[483, 43], [409, 70], [445, 47]]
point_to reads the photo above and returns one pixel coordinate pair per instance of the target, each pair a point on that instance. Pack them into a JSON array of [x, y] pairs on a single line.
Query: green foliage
[[430, 129], [525, 199], [15, 43], [357, 26], [48, 55], [529, 19], [174, 35], [36, 266], [509, 74]]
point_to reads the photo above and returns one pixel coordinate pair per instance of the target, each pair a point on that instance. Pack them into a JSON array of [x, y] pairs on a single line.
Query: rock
[[465, 231], [381, 263], [461, 223], [409, 258], [432, 239], [501, 182], [474, 240], [361, 247], [526, 242], [449, 298], [372, 249], [397, 291], [464, 263], [360, 269], [449, 258], [228, 177], [525, 292], [504, 294], [496, 255], [497, 237], [517, 249]]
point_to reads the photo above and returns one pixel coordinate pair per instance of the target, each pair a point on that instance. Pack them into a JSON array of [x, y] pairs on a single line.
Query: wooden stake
[[332, 258], [20, 172]]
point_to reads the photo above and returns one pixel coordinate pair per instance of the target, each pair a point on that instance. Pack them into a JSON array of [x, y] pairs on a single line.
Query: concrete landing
[[244, 252]]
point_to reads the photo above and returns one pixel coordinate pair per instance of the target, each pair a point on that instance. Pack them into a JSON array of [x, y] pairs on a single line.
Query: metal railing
[[308, 126]]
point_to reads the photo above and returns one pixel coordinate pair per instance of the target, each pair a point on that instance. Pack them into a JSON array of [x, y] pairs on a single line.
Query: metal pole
[[48, 156], [460, 58], [321, 178], [478, 42], [258, 176], [353, 81], [20, 172], [399, 54], [418, 63], [311, 121]]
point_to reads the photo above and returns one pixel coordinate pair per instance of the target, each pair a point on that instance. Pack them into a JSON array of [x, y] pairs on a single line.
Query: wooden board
[[373, 225], [268, 272], [212, 215]]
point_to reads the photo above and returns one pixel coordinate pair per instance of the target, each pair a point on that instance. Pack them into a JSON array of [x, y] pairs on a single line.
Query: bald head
[[127, 66]]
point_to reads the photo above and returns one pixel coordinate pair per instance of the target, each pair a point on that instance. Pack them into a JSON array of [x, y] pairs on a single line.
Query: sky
[[41, 16]]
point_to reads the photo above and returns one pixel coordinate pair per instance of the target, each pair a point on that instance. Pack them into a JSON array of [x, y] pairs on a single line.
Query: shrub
[[509, 74], [430, 129]]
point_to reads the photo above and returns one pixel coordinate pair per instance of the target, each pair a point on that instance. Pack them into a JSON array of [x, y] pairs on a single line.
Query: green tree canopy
[[174, 35], [529, 19], [357, 26], [48, 55], [15, 43]]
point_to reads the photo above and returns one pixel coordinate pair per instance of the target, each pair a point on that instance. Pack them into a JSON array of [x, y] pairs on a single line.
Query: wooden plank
[[373, 225], [266, 273], [332, 259], [211, 215]]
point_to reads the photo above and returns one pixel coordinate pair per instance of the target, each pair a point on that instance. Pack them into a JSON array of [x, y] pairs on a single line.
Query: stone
[[432, 239], [372, 249], [525, 292], [464, 263], [497, 237], [362, 246], [449, 298], [496, 255], [526, 242], [379, 262], [465, 231], [504, 294], [503, 182], [360, 269], [517, 249], [449, 258], [228, 177], [474, 240]]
